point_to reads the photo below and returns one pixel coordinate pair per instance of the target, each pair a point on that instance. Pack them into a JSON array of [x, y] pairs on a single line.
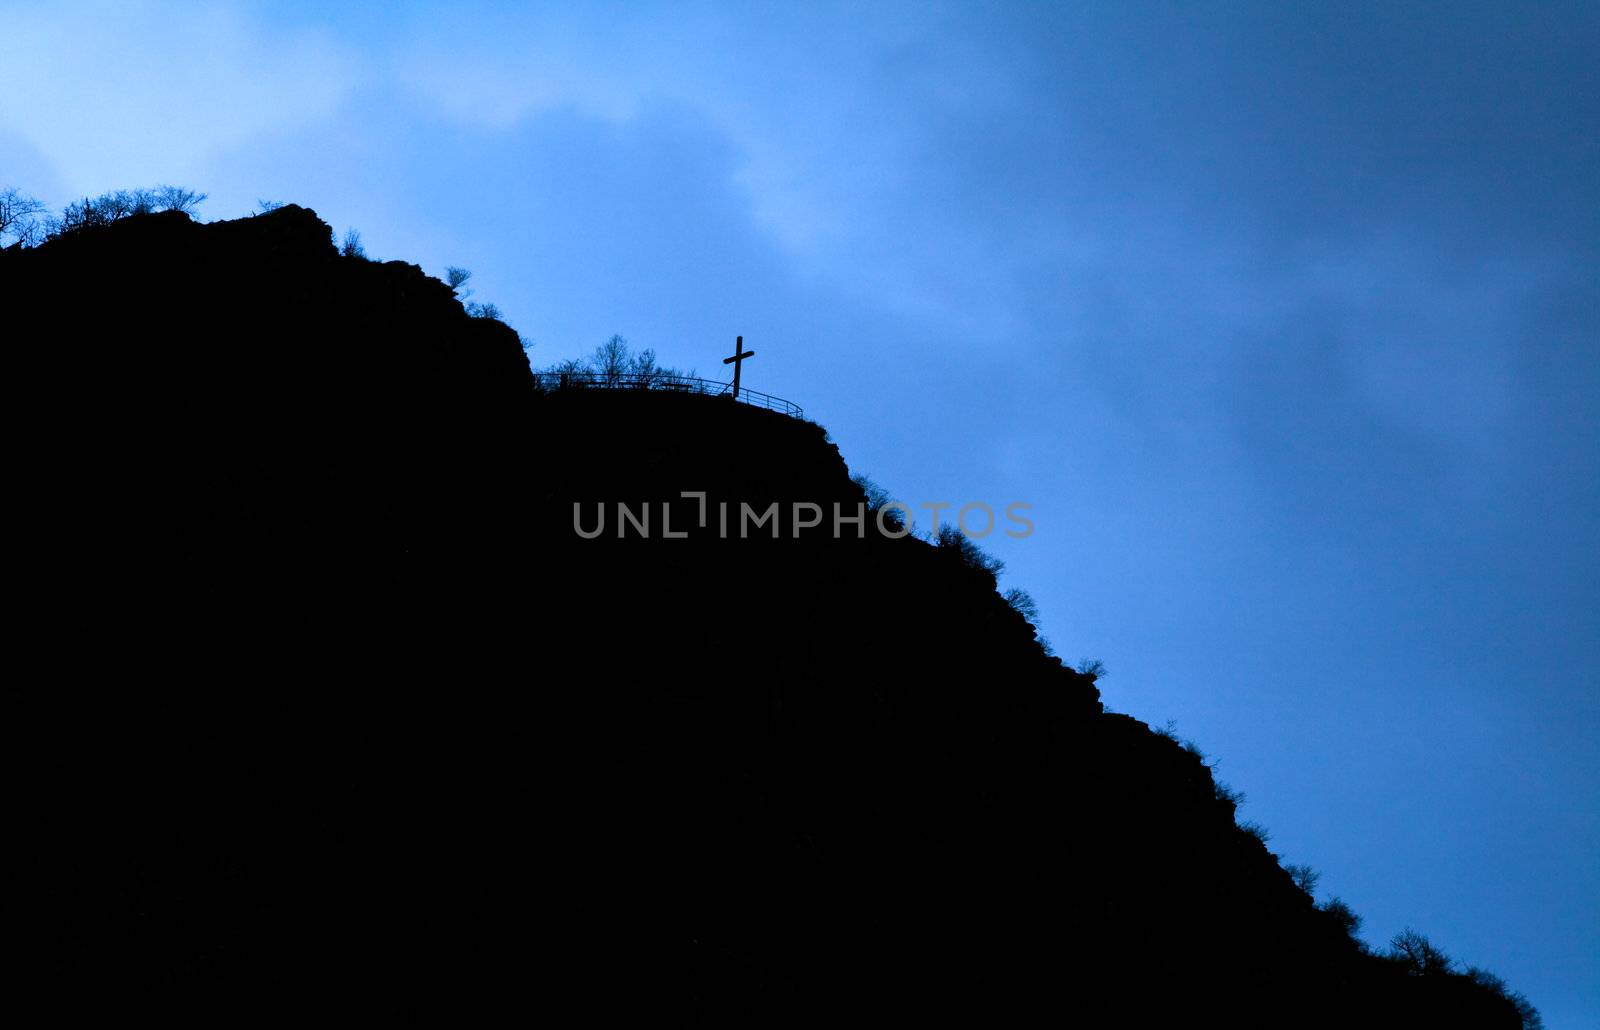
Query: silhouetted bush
[[456, 278], [112, 207], [1531, 1020], [81, 215], [1344, 917], [951, 541], [1256, 830], [879, 500]]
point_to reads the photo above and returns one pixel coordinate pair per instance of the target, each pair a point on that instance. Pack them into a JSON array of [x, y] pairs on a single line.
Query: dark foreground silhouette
[[329, 709]]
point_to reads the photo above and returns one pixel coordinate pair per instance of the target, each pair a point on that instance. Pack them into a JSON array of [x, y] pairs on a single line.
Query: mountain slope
[[331, 700]]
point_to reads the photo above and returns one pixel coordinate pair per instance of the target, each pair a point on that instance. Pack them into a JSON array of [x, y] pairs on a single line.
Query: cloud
[[824, 135], [127, 93]]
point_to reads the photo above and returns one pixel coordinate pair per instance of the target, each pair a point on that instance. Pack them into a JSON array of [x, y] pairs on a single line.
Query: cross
[[739, 354]]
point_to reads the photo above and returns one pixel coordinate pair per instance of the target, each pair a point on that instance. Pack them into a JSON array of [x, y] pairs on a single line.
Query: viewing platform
[[663, 383]]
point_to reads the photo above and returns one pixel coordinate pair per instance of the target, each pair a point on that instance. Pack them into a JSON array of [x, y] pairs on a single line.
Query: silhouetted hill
[[326, 702]]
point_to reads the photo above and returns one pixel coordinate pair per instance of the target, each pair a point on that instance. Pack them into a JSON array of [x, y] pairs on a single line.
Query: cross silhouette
[[739, 354]]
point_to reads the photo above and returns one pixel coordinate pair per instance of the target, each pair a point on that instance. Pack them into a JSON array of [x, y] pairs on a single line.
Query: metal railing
[[664, 384]]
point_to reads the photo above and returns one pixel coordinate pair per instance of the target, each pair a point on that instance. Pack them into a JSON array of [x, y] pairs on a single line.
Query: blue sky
[[1284, 318]]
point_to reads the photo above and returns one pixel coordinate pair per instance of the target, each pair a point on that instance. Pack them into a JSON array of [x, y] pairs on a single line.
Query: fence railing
[[664, 384]]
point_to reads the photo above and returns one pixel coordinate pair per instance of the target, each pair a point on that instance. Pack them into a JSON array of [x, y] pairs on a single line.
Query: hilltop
[[332, 701]]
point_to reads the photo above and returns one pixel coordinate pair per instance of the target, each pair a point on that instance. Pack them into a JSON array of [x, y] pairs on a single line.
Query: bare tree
[[1420, 958], [611, 360], [571, 372], [614, 364], [352, 244], [456, 278], [1304, 877], [123, 203], [176, 198], [1023, 602], [20, 218], [646, 373]]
